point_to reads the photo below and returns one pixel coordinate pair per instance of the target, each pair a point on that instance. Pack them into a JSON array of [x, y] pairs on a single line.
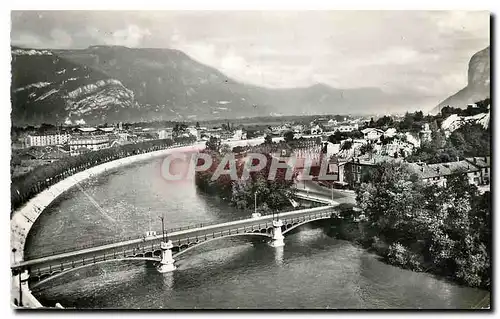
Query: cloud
[[418, 52], [57, 38], [132, 36]]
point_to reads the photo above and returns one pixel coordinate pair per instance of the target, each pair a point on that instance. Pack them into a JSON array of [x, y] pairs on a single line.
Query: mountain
[[113, 83], [478, 83]]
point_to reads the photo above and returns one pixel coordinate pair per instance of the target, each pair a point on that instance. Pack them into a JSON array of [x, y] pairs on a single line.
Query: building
[[372, 134], [357, 168], [331, 123], [299, 128], [426, 133], [45, 140], [347, 128], [316, 130], [440, 172], [239, 134], [484, 164], [194, 132], [390, 132], [165, 134], [80, 145]]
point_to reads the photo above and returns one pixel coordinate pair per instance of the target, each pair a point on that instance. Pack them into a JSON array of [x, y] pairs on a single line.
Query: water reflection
[[279, 253], [168, 280]]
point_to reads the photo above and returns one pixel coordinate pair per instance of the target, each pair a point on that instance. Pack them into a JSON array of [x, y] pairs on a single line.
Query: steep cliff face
[[478, 84]]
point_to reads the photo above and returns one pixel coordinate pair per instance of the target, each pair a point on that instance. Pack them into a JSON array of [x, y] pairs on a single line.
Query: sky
[[424, 53]]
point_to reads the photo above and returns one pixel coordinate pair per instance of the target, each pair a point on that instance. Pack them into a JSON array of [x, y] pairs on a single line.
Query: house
[[440, 172], [239, 135], [347, 128], [390, 132], [372, 134], [331, 123], [46, 140], [299, 128], [194, 131], [484, 164], [84, 144], [165, 134], [412, 140], [426, 133], [280, 129], [316, 130], [357, 167]]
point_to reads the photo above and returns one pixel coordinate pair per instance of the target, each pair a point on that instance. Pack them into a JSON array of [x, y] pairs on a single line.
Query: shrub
[[399, 255]]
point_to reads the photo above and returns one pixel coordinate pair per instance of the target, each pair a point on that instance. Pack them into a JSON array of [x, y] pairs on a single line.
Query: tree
[[336, 138], [372, 123], [225, 149], [288, 136], [213, 144], [268, 139], [347, 145], [449, 227]]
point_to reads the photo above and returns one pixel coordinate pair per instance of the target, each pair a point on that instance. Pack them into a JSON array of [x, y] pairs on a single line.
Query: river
[[313, 270]]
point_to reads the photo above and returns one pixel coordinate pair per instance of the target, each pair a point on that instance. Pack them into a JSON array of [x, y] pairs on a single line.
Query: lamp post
[[163, 229], [255, 203]]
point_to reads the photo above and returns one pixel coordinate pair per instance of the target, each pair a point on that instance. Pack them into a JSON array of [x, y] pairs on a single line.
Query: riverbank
[[24, 218], [359, 234]]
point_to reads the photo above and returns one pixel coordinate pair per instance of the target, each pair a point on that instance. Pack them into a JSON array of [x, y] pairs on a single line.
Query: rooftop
[[479, 161], [442, 169]]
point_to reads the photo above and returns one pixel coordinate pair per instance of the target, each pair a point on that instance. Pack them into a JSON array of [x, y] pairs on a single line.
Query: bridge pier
[[167, 261], [277, 240]]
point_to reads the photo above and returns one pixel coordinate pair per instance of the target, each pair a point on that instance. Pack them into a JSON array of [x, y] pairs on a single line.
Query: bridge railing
[[168, 231]]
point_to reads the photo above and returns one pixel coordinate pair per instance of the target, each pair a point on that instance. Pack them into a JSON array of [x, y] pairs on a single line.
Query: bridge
[[267, 228]]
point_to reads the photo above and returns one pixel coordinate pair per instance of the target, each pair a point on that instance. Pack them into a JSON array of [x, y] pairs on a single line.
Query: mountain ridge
[[136, 84]]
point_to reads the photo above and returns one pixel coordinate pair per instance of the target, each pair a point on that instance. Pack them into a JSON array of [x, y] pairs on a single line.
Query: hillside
[[114, 83], [478, 83]]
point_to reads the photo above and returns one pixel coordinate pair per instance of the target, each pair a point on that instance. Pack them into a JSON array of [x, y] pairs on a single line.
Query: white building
[[164, 134], [426, 133], [82, 145], [347, 128], [239, 135], [316, 130], [45, 140], [372, 134], [194, 131], [390, 132]]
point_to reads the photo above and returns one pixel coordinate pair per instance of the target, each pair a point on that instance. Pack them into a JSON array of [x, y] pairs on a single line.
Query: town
[[350, 144]]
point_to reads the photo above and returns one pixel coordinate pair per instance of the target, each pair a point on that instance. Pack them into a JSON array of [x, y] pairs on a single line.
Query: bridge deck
[[180, 237]]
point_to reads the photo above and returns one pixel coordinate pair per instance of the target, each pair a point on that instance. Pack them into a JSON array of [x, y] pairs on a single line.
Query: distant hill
[[114, 83], [478, 83]]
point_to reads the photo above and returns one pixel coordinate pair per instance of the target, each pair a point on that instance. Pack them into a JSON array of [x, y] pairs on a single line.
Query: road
[[339, 196]]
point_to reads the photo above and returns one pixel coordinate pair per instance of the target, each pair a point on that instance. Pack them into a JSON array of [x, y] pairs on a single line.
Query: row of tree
[[25, 187], [272, 195]]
